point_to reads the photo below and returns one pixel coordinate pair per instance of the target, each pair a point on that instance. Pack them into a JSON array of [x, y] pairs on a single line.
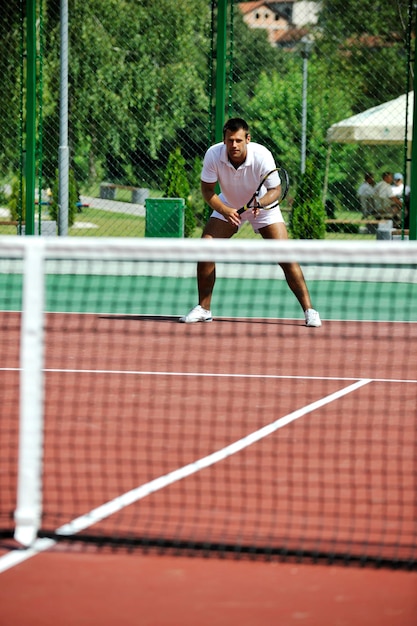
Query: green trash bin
[[164, 217]]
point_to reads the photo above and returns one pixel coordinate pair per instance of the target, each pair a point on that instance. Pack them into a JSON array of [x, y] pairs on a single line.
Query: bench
[[354, 222], [371, 225], [108, 192], [399, 231]]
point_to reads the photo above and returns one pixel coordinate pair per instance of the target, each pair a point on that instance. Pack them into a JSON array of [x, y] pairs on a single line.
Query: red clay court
[[86, 585], [249, 471]]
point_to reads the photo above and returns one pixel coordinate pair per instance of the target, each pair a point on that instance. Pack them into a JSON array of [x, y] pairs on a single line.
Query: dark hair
[[234, 124]]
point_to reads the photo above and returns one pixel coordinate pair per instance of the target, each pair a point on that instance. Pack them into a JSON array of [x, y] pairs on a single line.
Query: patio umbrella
[[382, 124]]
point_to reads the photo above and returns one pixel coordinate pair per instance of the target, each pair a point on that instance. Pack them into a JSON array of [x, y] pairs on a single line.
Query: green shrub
[[176, 185], [308, 215], [73, 198], [196, 198], [16, 201]]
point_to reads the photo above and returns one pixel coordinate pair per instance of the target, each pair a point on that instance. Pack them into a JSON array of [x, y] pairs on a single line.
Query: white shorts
[[265, 218]]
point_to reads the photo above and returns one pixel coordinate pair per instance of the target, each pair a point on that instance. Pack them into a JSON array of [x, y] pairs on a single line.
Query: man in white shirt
[[238, 165], [402, 192], [366, 193], [387, 205], [398, 186]]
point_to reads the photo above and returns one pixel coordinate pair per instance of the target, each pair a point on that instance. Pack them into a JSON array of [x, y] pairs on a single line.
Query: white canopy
[[382, 124]]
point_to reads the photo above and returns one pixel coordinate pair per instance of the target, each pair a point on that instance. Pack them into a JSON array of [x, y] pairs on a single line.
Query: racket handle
[[245, 208]]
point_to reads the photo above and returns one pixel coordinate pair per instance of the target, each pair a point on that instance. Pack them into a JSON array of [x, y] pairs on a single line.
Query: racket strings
[[284, 182]]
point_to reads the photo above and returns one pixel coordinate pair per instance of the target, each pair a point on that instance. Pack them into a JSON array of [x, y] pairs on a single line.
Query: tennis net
[[253, 435]]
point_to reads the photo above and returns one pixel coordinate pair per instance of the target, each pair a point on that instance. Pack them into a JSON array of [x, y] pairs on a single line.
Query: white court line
[[213, 375], [11, 559], [130, 497]]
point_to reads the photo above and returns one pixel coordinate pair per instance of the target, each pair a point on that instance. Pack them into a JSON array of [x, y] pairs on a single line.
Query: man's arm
[[210, 196]]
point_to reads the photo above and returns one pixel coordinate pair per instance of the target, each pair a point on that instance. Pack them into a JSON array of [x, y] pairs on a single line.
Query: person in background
[[365, 194], [398, 186], [387, 205], [403, 193]]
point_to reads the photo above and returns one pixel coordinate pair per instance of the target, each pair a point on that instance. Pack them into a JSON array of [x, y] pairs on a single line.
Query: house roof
[[247, 7], [289, 36]]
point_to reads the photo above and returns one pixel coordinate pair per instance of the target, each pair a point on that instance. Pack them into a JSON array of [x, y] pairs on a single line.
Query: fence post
[[30, 164]]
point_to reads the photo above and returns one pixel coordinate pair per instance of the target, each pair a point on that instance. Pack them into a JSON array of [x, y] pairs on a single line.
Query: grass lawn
[[98, 223]]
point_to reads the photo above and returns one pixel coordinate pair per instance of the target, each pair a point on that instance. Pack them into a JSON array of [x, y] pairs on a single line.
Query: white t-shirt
[[365, 189], [383, 190], [238, 185], [398, 190]]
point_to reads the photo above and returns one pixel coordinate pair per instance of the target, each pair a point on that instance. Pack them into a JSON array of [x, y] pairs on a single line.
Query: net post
[[29, 488]]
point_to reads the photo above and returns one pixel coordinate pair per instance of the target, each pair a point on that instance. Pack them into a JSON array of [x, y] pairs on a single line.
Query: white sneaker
[[312, 318], [197, 314]]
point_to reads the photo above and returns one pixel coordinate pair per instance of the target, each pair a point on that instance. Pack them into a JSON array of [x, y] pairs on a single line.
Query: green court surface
[[253, 298]]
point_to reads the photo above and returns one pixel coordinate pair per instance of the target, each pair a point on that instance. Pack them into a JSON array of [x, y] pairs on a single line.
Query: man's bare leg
[[206, 270], [292, 271]]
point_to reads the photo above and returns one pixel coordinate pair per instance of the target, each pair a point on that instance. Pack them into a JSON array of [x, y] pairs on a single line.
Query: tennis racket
[[270, 178]]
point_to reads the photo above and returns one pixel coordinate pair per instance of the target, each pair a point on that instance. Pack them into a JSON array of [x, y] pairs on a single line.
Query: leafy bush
[[73, 198], [308, 215], [196, 198], [176, 185], [16, 201]]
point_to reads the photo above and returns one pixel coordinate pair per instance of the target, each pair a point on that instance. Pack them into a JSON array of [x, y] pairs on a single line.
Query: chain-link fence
[[142, 105]]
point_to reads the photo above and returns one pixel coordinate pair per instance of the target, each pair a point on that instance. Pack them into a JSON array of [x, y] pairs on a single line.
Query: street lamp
[[306, 48]]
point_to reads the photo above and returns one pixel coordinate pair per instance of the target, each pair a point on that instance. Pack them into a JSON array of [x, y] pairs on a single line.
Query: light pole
[[306, 47]]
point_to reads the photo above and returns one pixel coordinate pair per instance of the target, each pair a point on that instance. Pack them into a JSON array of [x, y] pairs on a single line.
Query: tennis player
[[238, 165]]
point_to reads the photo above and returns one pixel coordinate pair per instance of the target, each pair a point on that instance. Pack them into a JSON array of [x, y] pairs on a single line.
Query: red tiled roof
[[247, 7], [290, 35]]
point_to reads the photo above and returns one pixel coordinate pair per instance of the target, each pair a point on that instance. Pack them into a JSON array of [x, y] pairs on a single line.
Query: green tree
[[251, 54], [11, 63], [134, 80], [365, 42], [275, 112]]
